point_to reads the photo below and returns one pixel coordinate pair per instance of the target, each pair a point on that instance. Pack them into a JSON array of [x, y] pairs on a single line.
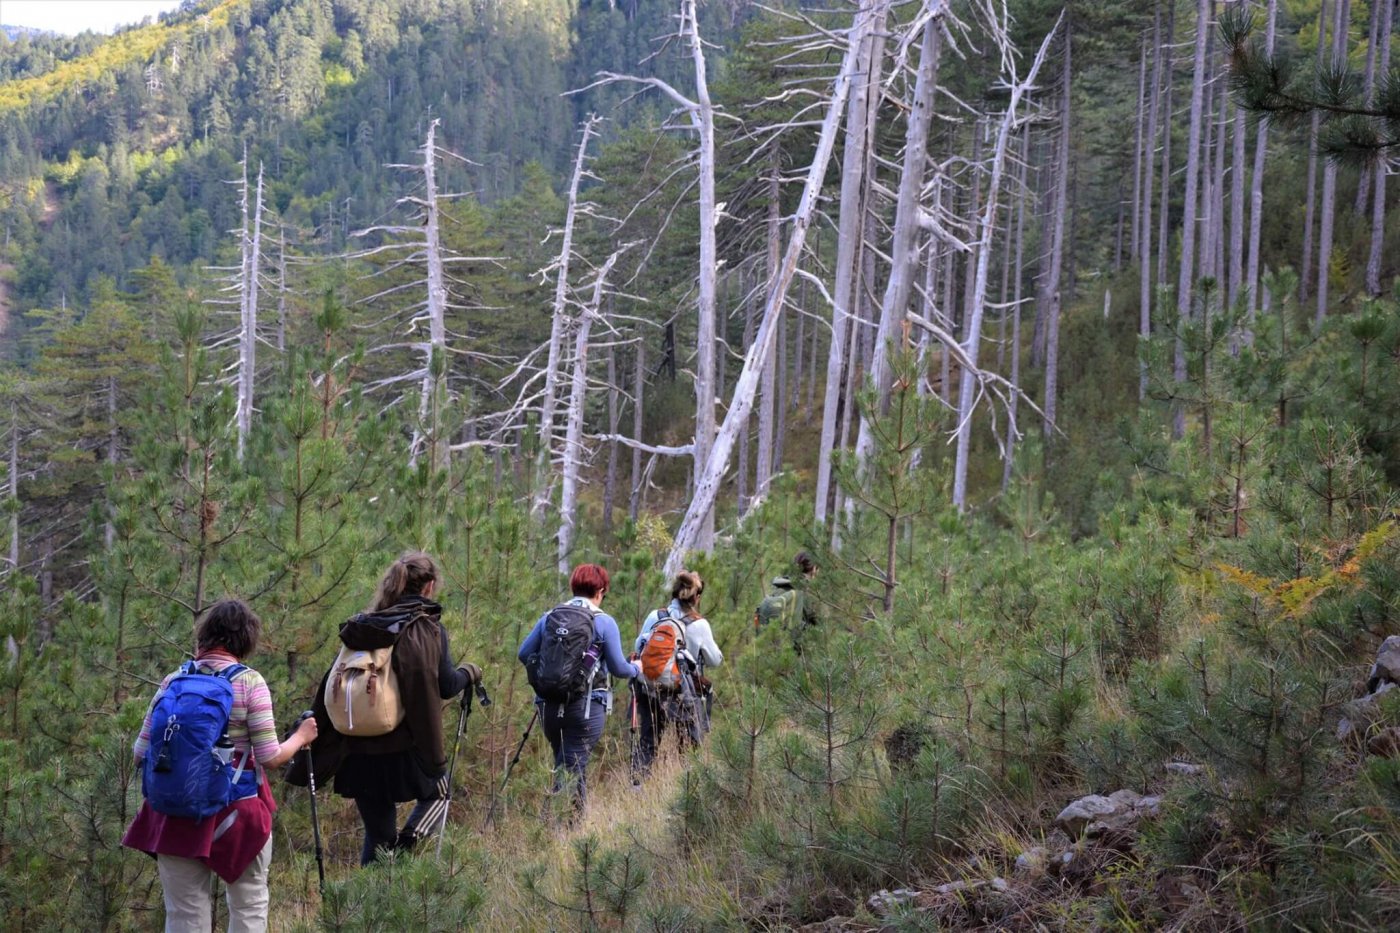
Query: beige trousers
[[185, 883]]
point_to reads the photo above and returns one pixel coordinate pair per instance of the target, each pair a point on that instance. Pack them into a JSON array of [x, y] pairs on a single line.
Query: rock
[[1345, 730], [1032, 861], [1360, 716], [958, 887], [832, 925], [885, 902], [1074, 818], [1117, 814], [1387, 666], [1000, 885], [1183, 768]]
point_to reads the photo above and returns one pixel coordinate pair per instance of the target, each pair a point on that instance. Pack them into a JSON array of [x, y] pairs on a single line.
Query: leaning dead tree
[[418, 249], [689, 535], [699, 114]]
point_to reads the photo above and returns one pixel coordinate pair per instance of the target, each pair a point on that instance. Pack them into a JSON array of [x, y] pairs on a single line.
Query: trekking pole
[[632, 734], [456, 746], [491, 814], [315, 817]]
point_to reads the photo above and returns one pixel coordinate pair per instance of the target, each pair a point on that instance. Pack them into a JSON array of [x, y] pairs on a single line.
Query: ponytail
[[407, 576], [687, 589]]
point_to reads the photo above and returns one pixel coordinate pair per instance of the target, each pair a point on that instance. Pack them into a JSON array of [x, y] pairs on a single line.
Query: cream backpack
[[362, 693]]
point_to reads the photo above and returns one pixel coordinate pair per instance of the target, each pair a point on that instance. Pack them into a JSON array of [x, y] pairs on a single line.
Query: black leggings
[[381, 819]]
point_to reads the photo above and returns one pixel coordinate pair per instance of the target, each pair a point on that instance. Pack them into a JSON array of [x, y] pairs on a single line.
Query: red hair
[[588, 580]]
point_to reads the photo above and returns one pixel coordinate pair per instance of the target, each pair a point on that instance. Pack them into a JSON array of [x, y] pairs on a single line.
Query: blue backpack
[[188, 770]]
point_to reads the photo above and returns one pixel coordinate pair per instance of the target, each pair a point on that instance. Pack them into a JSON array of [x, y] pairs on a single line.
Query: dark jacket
[[406, 763]]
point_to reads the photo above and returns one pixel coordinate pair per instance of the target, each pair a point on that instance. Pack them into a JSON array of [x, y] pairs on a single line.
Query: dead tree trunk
[[1373, 257], [904, 249], [639, 384], [248, 308], [1305, 283], [850, 230], [1256, 191], [1329, 176], [1145, 215], [1051, 283], [573, 440], [560, 320], [745, 389], [610, 484], [1012, 431], [1186, 275], [768, 402], [983, 257]]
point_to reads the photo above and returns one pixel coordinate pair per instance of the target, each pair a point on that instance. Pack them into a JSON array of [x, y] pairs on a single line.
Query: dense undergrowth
[[1220, 611]]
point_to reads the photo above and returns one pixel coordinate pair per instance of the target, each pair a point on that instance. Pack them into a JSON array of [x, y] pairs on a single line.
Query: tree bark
[[1256, 192], [1012, 431], [1145, 213], [610, 485], [983, 254], [904, 249], [1185, 277], [1164, 205], [573, 441], [850, 230], [745, 389], [769, 402], [1310, 199], [1140, 140], [639, 383], [1378, 183], [1329, 177], [1052, 279], [560, 317]]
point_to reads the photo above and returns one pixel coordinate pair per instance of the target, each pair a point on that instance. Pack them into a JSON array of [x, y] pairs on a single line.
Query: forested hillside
[[1064, 334]]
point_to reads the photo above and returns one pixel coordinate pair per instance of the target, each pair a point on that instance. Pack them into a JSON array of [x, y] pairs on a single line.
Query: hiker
[[788, 600], [234, 838], [568, 656], [393, 672], [677, 692]]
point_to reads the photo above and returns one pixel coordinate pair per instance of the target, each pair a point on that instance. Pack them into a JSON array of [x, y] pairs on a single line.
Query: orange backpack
[[660, 652]]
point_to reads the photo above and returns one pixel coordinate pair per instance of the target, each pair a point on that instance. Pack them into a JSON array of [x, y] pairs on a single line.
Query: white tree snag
[[248, 310], [1256, 192], [1236, 251], [560, 319], [1141, 141], [435, 351], [1310, 210], [1185, 274], [1050, 284], [1012, 432], [850, 231], [1329, 176], [972, 328], [904, 248], [701, 113], [1373, 257], [639, 384], [573, 438], [769, 402], [1145, 216], [706, 491]]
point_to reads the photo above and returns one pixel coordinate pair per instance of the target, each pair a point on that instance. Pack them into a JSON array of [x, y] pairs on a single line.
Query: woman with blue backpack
[[204, 750], [568, 656]]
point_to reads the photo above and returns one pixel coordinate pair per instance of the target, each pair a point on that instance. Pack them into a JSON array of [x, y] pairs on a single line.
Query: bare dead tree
[[967, 400], [560, 317], [414, 246], [700, 113], [1373, 256], [1256, 190], [574, 452], [1185, 276], [741, 403]]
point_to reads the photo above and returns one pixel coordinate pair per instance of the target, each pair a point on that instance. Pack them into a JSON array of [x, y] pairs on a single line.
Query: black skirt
[[395, 776]]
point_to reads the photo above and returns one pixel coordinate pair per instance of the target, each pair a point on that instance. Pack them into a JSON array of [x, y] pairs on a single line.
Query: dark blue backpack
[[188, 771]]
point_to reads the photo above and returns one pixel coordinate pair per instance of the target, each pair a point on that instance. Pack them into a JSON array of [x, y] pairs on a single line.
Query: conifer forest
[[1063, 335]]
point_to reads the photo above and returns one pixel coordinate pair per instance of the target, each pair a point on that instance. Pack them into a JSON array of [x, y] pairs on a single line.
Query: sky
[[74, 16]]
